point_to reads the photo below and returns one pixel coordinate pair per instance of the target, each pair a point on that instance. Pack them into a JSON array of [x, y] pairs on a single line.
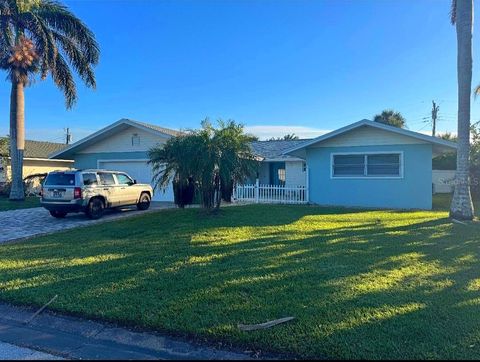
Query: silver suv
[[92, 191]]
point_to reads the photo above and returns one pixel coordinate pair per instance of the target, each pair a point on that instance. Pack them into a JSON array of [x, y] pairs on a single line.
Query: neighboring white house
[[36, 159]]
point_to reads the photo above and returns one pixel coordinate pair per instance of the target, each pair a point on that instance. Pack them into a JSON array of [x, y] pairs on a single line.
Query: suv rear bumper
[[71, 206]]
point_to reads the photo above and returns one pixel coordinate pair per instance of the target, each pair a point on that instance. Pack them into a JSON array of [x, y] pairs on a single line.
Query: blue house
[[365, 164], [122, 146], [369, 164]]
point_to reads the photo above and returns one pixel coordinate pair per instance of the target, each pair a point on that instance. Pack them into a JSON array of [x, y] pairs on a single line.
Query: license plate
[[57, 194]]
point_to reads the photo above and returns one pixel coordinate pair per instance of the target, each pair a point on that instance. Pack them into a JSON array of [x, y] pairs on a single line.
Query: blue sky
[[275, 66]]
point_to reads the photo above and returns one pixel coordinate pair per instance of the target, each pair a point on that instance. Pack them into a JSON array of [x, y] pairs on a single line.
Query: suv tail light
[[77, 193]]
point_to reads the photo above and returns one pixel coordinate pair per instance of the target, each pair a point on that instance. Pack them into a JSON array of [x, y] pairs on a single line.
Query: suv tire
[[95, 208], [144, 201], [58, 214]]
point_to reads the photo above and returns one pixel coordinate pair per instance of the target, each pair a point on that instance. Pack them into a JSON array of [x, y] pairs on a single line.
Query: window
[[383, 165], [367, 165], [90, 179], [106, 179], [135, 140], [349, 165], [281, 176], [124, 179], [60, 179]]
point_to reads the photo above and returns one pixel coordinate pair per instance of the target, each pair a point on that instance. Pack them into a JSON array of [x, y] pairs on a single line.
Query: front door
[[277, 173]]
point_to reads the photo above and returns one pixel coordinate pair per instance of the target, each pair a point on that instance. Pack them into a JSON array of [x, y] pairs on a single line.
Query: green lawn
[[6, 204], [361, 284]]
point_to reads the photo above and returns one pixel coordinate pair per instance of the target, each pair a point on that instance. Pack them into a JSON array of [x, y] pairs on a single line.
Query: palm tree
[[226, 158], [41, 37], [287, 137], [462, 17], [390, 117]]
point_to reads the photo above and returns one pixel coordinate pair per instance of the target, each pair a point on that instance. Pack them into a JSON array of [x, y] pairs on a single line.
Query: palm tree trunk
[[462, 206], [17, 139]]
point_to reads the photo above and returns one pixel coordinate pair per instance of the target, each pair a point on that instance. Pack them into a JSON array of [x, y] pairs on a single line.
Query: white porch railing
[[257, 193]]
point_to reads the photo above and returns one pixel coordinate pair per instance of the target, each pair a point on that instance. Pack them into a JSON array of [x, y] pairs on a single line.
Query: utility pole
[[435, 109], [68, 136]]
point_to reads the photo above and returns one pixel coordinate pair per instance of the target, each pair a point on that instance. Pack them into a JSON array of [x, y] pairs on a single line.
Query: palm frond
[[476, 91], [59, 18], [44, 41], [77, 58], [63, 78]]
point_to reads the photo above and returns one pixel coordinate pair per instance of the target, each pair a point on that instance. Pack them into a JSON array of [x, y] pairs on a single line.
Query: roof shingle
[[274, 149], [37, 149]]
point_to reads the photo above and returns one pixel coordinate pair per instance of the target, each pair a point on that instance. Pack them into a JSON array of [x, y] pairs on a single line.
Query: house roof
[[109, 130], [167, 131], [441, 144], [37, 149], [271, 150]]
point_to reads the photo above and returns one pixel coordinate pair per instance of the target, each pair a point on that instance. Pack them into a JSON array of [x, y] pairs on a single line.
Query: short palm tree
[[226, 157], [41, 37], [391, 118], [462, 17]]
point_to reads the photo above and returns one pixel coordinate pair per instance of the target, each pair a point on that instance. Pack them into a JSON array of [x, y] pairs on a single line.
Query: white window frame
[[363, 177]]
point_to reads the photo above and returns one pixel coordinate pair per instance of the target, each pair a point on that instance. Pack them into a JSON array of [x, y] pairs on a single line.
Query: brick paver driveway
[[23, 223]]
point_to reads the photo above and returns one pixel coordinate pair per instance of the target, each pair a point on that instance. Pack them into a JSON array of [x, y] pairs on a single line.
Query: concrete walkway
[[24, 223], [9, 352], [73, 338]]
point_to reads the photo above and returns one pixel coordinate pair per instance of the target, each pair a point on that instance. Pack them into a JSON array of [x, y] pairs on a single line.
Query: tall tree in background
[[462, 17], [41, 37], [391, 118], [287, 137]]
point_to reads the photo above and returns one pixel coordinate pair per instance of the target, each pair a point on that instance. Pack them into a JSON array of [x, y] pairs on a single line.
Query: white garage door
[[142, 172]]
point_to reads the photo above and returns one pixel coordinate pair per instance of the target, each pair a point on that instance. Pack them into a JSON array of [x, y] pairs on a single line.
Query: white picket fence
[[257, 193]]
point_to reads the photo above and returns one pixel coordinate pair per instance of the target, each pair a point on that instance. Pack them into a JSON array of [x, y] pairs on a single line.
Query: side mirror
[[134, 182]]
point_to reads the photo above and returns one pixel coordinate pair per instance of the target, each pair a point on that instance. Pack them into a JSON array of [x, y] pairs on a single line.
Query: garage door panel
[[141, 171]]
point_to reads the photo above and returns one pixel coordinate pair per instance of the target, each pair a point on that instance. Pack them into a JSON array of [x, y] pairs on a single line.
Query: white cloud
[[266, 132]]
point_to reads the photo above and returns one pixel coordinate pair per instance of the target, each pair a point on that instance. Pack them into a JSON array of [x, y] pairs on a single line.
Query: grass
[[6, 204], [361, 284]]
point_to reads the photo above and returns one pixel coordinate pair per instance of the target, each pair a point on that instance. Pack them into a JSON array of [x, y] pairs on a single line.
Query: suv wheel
[[95, 208], [58, 214], [143, 202]]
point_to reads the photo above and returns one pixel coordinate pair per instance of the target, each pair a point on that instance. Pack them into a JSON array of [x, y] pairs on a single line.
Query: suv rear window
[[60, 179]]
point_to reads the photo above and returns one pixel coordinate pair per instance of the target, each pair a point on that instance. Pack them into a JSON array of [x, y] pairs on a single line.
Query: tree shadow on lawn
[[366, 288]]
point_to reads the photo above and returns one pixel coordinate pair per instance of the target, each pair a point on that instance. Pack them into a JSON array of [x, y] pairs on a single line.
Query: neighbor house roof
[[37, 149], [441, 144], [109, 130], [274, 150]]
